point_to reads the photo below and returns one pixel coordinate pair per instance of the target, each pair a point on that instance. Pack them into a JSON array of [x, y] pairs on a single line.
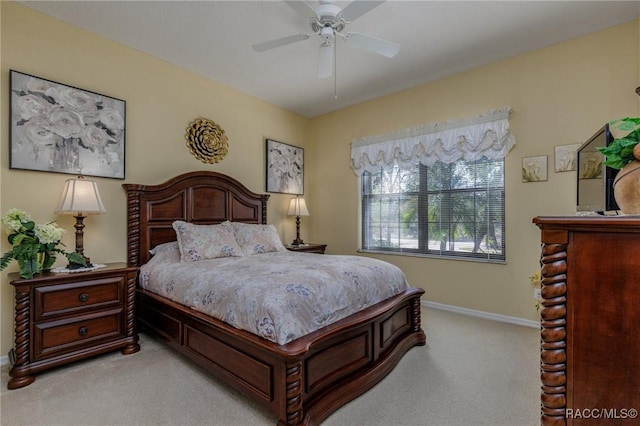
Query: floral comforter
[[279, 296]]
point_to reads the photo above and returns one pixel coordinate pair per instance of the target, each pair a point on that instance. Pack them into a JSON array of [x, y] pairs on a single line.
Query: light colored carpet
[[472, 372]]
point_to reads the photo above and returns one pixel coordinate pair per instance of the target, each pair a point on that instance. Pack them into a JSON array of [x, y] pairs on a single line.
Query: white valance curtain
[[470, 138]]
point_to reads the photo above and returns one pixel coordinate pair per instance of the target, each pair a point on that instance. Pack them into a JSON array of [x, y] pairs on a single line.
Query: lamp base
[[87, 261], [297, 242]]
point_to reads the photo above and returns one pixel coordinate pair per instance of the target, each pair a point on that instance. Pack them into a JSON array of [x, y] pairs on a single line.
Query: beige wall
[[560, 95], [162, 99]]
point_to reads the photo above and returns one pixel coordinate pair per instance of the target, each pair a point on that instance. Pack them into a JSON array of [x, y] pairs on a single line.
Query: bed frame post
[[295, 415], [416, 315], [133, 224]]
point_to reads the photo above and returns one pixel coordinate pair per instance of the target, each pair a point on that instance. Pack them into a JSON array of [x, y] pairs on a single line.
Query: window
[[453, 210]]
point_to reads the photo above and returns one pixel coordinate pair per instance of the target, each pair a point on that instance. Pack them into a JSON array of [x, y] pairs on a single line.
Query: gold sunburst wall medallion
[[206, 141]]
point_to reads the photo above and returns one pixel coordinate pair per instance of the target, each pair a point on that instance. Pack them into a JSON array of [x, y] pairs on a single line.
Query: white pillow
[[161, 248], [256, 239], [200, 242], [165, 253]]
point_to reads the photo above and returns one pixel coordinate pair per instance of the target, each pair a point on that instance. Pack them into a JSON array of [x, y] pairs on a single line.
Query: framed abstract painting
[[64, 129], [285, 168]]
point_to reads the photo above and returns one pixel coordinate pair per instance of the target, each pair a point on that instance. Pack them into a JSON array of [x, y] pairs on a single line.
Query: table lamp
[[297, 208], [80, 197]]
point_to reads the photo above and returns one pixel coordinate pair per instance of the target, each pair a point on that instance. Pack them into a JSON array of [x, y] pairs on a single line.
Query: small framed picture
[[566, 157], [534, 169], [285, 168]]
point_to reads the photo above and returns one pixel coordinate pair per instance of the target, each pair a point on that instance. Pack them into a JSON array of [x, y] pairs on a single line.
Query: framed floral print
[[63, 129], [285, 168], [534, 169], [566, 157]]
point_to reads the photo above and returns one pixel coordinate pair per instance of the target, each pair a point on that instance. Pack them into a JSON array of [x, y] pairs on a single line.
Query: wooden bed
[[302, 382]]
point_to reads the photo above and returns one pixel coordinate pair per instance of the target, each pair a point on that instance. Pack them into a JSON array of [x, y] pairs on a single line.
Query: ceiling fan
[[328, 21]]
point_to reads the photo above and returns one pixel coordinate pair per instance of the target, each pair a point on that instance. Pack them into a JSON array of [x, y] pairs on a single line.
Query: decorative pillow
[[165, 253], [256, 239], [161, 248], [200, 242]]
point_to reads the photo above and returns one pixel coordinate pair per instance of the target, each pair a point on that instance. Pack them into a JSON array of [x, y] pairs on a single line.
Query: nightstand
[[308, 248], [65, 317]]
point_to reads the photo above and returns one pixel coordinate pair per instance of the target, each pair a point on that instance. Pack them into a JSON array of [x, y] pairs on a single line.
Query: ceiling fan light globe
[[325, 61], [327, 33]]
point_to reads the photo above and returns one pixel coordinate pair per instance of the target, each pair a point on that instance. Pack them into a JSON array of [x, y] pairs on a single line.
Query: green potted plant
[[623, 153], [624, 148], [33, 246]]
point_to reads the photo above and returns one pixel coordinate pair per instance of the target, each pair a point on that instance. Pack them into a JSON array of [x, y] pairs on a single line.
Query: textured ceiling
[[437, 38]]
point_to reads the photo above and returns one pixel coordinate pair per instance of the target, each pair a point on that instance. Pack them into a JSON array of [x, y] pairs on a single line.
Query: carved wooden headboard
[[200, 197]]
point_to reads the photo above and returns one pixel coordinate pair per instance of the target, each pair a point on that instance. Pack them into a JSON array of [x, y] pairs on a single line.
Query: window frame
[[423, 192]]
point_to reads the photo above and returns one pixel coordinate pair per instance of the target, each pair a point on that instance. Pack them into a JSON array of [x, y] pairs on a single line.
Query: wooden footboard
[[302, 382]]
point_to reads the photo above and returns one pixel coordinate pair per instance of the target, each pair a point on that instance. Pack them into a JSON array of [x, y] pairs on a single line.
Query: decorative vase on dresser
[[65, 317], [626, 188], [590, 326]]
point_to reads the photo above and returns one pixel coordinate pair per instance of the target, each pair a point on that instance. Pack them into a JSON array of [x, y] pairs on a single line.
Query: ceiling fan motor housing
[[327, 17]]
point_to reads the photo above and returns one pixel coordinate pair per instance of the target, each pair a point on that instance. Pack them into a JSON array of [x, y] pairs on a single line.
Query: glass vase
[[30, 266], [46, 259]]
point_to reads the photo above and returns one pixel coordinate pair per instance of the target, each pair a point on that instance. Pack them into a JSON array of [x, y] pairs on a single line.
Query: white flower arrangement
[[33, 246]]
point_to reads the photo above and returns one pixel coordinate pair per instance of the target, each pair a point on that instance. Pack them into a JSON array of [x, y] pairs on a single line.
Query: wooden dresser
[[590, 327], [64, 317]]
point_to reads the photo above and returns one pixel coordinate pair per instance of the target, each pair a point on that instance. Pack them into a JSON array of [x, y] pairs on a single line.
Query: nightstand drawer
[[64, 335], [67, 298]]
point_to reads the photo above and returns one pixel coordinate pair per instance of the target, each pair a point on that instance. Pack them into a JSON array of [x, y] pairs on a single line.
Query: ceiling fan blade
[[357, 8], [302, 7], [261, 47], [325, 60], [373, 44]]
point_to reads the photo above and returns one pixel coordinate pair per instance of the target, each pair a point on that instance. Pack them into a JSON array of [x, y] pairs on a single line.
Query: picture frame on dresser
[[285, 168], [59, 128]]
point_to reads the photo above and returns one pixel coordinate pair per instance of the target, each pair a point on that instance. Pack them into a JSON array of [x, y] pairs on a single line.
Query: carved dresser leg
[[553, 343]]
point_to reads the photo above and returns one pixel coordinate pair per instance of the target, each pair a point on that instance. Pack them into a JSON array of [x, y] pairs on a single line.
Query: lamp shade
[[81, 197], [298, 207]]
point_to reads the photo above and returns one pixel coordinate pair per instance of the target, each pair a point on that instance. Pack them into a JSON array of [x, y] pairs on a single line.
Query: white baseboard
[[481, 314], [4, 360]]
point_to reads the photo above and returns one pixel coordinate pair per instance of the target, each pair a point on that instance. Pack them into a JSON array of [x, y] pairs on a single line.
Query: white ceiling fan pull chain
[[335, 72]]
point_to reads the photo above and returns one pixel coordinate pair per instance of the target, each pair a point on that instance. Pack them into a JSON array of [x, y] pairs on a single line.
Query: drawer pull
[[83, 297], [83, 331]]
